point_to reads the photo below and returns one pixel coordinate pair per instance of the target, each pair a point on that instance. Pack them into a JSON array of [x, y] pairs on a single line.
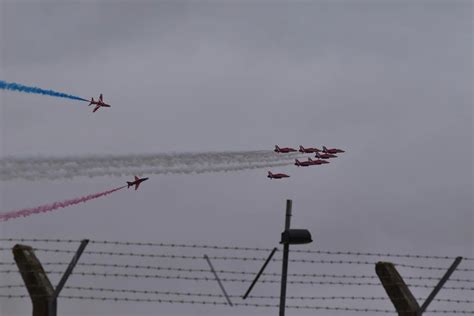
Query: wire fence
[[233, 272], [236, 254], [216, 303], [203, 246], [212, 295], [236, 258], [239, 280]]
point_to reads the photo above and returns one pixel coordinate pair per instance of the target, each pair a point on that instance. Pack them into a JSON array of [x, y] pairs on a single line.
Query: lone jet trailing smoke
[[136, 183], [99, 103]]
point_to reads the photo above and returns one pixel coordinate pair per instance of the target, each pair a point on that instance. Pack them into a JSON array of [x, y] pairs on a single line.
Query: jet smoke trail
[[21, 88], [96, 166], [51, 207]]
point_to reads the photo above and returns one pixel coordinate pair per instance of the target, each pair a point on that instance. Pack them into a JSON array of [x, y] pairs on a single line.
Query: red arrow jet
[[325, 156], [283, 150], [277, 175], [317, 161], [136, 183], [99, 103], [308, 150], [332, 150], [303, 163]]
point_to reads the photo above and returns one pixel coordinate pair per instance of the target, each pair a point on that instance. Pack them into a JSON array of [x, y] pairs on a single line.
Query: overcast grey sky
[[388, 81]]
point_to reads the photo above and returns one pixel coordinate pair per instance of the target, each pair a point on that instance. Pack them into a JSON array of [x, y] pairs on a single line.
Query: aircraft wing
[[136, 186], [96, 108], [100, 97]]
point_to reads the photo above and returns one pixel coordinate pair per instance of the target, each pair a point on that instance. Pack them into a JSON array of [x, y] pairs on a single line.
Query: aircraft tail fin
[[92, 101], [129, 184]]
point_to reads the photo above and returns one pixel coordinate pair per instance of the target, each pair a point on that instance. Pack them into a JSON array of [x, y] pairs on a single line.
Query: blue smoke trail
[[19, 87]]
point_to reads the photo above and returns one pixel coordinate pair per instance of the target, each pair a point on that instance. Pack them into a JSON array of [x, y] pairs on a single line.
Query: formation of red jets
[[321, 155]]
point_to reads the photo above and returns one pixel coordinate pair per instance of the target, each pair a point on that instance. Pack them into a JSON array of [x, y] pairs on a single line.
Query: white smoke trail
[[96, 166]]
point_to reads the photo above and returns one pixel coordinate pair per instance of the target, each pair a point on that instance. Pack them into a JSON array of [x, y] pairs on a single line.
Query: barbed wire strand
[[297, 275], [193, 302], [173, 256], [231, 258], [369, 298], [151, 244], [211, 279], [203, 246], [134, 291]]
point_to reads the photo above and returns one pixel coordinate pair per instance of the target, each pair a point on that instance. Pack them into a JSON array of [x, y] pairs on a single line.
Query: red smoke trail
[[51, 207]]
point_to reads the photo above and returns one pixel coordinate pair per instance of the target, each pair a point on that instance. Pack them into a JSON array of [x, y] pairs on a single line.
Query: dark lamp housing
[[296, 237]]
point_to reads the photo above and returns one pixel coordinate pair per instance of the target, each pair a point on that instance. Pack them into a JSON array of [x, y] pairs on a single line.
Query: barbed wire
[[126, 299], [324, 298], [450, 300], [173, 256], [376, 254], [212, 279], [369, 298], [305, 275], [81, 288], [151, 244], [40, 240], [347, 309], [11, 286], [203, 246], [43, 263], [215, 303], [354, 298], [154, 300], [352, 262], [147, 255]]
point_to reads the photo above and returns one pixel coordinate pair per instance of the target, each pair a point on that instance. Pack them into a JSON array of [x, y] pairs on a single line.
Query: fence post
[[439, 285], [286, 252], [36, 281], [401, 297], [42, 293]]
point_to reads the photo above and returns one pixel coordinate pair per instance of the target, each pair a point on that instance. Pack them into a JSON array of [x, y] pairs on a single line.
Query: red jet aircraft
[[136, 183], [277, 175], [332, 150], [283, 150], [325, 156], [99, 103], [308, 150], [317, 161], [303, 163]]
